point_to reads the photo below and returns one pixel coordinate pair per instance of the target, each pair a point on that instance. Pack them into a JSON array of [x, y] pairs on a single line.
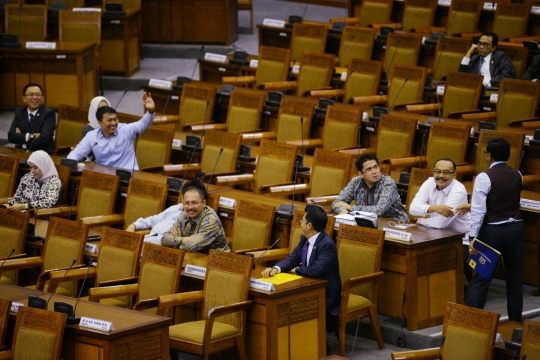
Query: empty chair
[[28, 22], [8, 176], [308, 37], [356, 43], [13, 226], [511, 20]]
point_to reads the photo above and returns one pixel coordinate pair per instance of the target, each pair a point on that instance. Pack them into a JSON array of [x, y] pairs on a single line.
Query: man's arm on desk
[[446, 211]]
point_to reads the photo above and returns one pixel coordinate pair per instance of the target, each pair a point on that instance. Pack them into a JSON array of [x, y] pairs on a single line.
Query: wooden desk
[[70, 67], [121, 43], [213, 72], [136, 335], [506, 329]]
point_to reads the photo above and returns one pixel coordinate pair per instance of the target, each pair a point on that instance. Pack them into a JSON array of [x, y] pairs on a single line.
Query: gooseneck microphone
[[165, 107], [189, 163], [214, 169], [40, 303], [399, 92], [68, 309], [344, 84], [429, 81], [440, 348], [384, 74], [346, 48], [265, 251], [119, 101], [502, 105], [7, 257], [453, 17], [73, 202]]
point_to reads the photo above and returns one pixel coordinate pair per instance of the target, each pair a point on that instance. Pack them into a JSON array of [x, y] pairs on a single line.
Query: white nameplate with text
[[195, 270], [164, 84], [494, 97], [93, 248], [41, 45], [88, 9], [15, 306], [490, 6], [96, 324], [215, 57], [295, 69], [261, 285], [392, 234], [528, 138], [254, 63], [535, 10], [445, 2], [440, 90], [343, 76], [530, 204], [228, 202], [177, 143], [274, 23]]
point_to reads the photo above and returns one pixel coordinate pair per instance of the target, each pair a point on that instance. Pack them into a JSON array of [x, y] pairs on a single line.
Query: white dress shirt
[[484, 68], [159, 223]]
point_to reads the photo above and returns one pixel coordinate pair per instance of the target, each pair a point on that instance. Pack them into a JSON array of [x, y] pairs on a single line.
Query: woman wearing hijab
[[95, 104], [40, 188]]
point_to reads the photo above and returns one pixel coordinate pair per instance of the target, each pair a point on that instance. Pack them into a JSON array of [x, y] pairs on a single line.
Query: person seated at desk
[[482, 59], [533, 70], [371, 191], [93, 123], [33, 125], [315, 256], [113, 143], [40, 188], [198, 228], [158, 224]]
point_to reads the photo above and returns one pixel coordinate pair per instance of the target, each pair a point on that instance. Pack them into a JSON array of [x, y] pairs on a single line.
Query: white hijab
[[93, 108], [44, 162]]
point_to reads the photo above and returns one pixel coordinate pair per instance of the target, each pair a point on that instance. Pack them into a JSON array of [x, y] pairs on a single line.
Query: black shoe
[[327, 349]]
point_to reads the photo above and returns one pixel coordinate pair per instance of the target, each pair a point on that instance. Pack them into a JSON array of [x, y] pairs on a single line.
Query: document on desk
[[282, 278]]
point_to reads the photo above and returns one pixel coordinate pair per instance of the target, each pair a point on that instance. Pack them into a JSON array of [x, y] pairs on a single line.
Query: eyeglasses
[[445, 172], [193, 203], [483, 44], [33, 95], [371, 169]]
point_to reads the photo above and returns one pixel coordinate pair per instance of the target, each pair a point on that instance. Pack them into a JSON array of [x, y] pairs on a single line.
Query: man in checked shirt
[[198, 229]]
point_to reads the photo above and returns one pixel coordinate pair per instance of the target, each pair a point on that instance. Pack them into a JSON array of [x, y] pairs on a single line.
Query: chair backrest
[[8, 175], [245, 110], [13, 225], [289, 123], [66, 240], [64, 174], [129, 5], [144, 198], [516, 148], [463, 17], [467, 325], [511, 19], [518, 55], [70, 3], [447, 141], [273, 65], [395, 136], [252, 225], [97, 194], [448, 55], [316, 71], [5, 306], [275, 164], [418, 176], [28, 22], [69, 126], [194, 102], [308, 37], [520, 100], [408, 50], [413, 90], [418, 13], [38, 334], [341, 126], [79, 26], [356, 43], [159, 273], [213, 142], [359, 253], [227, 282], [212, 201], [374, 11], [296, 228], [530, 343], [329, 173], [154, 147], [462, 92], [364, 81]]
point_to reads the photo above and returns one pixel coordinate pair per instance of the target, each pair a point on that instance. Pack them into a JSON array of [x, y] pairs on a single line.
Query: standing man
[[33, 125], [113, 144], [483, 59], [496, 220]]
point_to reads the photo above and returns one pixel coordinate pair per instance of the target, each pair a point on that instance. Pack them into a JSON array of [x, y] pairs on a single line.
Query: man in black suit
[[483, 59], [316, 257], [533, 70], [33, 125]]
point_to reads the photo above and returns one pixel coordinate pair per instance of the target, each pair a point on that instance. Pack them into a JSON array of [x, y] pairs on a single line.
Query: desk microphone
[[73, 202], [125, 91], [204, 120], [384, 74], [343, 87], [422, 150], [91, 149], [265, 251], [197, 63], [501, 108], [68, 309], [40, 303], [399, 92], [440, 348], [398, 20], [429, 81], [165, 107], [289, 78], [10, 253], [454, 16], [181, 80], [214, 169], [286, 211], [187, 168], [346, 48]]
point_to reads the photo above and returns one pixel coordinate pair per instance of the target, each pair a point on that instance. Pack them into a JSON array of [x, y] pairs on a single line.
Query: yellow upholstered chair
[[224, 304], [308, 37], [13, 225], [159, 275], [70, 3], [196, 102], [530, 343], [359, 253], [154, 148], [69, 126], [28, 22], [470, 334], [38, 335], [518, 55], [463, 17], [407, 53], [516, 148], [418, 13], [418, 176], [356, 43], [65, 242], [5, 306], [64, 174], [252, 226], [246, 5], [275, 165], [373, 11], [511, 20], [448, 53], [290, 125], [79, 26], [8, 175], [129, 5]]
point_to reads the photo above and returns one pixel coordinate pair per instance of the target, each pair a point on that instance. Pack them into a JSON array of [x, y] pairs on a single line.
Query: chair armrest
[[240, 80], [206, 176], [290, 189], [307, 143], [60, 211], [146, 304], [103, 220], [404, 105], [201, 127], [405, 162], [391, 24], [98, 293], [459, 114], [17, 256], [180, 169], [167, 301], [483, 116], [235, 179], [272, 254], [272, 135], [72, 275], [347, 20], [521, 121], [221, 311], [361, 280], [369, 100], [324, 94], [116, 282], [46, 275], [322, 200], [24, 263], [429, 29], [530, 179], [243, 251], [4, 200], [6, 355], [280, 85], [531, 125], [308, 92], [152, 169], [165, 119], [265, 189], [143, 231], [420, 109], [466, 170], [424, 354], [356, 151]]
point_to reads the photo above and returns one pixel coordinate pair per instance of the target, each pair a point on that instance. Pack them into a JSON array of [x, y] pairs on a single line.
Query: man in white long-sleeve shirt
[[158, 224]]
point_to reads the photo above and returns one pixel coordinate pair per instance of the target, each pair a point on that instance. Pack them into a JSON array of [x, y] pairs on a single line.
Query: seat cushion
[[194, 331], [356, 302]]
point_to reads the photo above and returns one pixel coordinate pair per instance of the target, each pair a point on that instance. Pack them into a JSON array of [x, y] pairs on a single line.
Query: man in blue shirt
[[112, 143]]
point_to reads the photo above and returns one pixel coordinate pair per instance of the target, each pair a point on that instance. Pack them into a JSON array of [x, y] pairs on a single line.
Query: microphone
[[286, 211], [305, 10], [214, 169], [299, 166], [165, 107], [502, 104], [422, 150], [496, 71], [384, 74], [40, 303], [197, 63], [204, 120], [227, 89], [265, 251], [187, 168], [399, 92], [68, 309], [343, 87], [346, 48], [245, 150], [181, 80], [440, 348], [91, 149], [73, 202], [454, 16], [289, 78], [10, 253], [125, 91], [398, 20], [429, 81]]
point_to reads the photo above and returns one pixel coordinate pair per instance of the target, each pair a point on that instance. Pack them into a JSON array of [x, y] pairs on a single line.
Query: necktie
[[31, 120], [304, 254]]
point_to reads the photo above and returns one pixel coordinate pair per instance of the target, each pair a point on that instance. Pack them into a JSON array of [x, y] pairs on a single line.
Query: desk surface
[[64, 47]]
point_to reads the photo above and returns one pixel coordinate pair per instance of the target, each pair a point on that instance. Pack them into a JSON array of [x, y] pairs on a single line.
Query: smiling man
[[113, 143], [33, 125]]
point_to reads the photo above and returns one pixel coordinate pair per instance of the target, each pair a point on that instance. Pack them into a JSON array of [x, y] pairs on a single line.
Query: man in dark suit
[[483, 59], [33, 125], [533, 70], [316, 257]]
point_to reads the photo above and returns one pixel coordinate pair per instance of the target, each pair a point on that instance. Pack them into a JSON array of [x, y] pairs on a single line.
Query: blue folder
[[485, 262]]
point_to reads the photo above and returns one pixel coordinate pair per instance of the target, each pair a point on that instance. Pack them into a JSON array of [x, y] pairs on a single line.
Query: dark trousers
[[509, 239]]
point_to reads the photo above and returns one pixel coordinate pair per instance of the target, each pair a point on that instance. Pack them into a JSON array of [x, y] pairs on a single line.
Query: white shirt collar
[[313, 238]]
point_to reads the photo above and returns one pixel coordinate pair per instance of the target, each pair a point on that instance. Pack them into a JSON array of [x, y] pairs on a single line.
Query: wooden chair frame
[[10, 165], [313, 31]]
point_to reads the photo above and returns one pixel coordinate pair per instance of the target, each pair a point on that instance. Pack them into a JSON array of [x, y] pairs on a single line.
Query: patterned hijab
[[94, 104], [44, 162]]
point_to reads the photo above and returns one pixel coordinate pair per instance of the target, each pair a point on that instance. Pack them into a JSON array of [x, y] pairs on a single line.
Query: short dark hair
[[194, 185], [362, 159], [494, 37], [104, 110], [316, 216], [30, 85], [499, 149], [447, 159]]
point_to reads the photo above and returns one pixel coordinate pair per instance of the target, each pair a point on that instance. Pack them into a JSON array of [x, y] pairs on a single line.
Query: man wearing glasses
[[371, 191], [198, 228], [482, 59], [33, 125]]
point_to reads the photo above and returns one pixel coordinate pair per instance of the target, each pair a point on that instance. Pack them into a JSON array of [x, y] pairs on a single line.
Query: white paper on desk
[[344, 219]]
